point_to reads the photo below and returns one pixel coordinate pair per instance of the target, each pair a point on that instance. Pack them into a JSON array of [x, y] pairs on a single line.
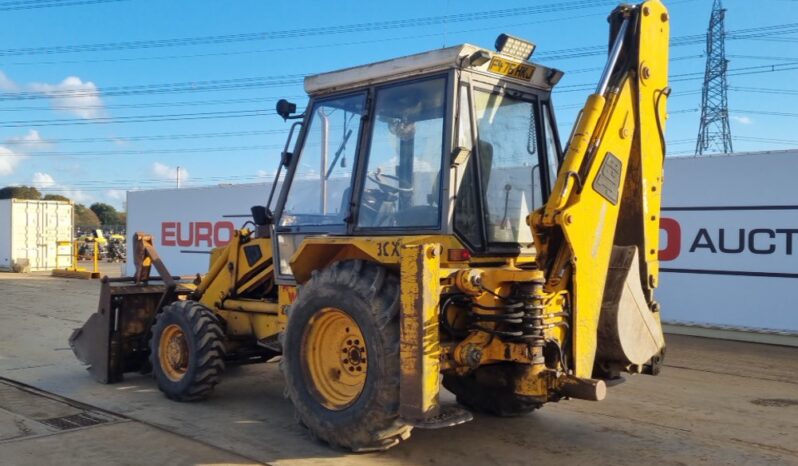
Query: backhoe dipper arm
[[597, 236]]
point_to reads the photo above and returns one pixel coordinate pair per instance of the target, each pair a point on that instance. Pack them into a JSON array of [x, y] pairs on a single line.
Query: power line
[[763, 90], [182, 150], [36, 4], [258, 100], [164, 88], [155, 137], [307, 32], [295, 47], [760, 69], [138, 118]]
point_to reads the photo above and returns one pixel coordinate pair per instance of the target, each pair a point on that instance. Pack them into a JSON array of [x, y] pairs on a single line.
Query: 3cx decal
[[388, 248]]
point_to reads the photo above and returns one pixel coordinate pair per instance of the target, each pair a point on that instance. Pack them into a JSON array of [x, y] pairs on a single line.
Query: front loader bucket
[[115, 339]]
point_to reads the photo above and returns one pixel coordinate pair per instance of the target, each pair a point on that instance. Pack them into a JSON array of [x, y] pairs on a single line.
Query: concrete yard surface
[[716, 402]]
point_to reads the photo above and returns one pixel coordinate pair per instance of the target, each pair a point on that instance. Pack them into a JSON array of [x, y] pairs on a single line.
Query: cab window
[[401, 187], [552, 148], [507, 147]]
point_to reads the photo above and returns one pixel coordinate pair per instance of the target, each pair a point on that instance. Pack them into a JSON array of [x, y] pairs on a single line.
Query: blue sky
[[146, 111]]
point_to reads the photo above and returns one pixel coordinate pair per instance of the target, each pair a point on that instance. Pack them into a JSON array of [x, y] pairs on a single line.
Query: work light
[[514, 47]]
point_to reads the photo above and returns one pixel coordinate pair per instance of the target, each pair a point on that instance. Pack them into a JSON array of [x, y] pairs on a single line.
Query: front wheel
[[187, 351], [341, 357]]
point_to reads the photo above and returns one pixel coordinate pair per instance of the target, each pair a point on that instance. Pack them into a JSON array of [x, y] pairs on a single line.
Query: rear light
[[456, 255]]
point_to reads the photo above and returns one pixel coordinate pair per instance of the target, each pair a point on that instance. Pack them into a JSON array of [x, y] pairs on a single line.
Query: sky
[[98, 97]]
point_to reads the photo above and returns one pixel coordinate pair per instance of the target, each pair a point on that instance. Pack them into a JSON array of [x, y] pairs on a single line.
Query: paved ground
[[717, 402]]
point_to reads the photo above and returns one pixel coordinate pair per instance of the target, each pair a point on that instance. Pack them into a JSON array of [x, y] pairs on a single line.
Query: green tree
[[55, 197], [20, 192], [122, 218], [85, 217], [106, 213]]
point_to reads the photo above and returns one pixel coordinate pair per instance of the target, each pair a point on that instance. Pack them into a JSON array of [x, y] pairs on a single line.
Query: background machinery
[[429, 231]]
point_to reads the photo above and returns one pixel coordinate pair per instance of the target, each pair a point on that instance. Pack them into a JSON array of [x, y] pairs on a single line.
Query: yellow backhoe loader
[[429, 231]]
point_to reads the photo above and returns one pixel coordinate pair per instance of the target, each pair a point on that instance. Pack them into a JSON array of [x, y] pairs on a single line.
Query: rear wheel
[[341, 357], [187, 351], [491, 390]]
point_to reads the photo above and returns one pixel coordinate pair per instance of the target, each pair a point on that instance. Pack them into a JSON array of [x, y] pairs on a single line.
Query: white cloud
[[76, 195], [43, 180], [165, 172], [8, 160], [32, 140], [15, 148], [46, 181], [116, 194], [6, 84], [72, 95], [742, 119]]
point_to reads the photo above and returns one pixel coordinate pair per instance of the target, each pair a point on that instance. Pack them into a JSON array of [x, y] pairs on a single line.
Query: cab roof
[[420, 63]]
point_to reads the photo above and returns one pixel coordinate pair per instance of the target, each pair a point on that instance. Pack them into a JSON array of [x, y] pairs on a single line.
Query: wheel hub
[[335, 360], [173, 353]]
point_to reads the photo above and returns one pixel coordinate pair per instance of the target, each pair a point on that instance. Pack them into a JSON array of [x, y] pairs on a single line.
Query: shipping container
[[32, 230]]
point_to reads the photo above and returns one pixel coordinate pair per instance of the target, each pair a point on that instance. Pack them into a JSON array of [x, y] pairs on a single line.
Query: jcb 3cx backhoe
[[429, 231]]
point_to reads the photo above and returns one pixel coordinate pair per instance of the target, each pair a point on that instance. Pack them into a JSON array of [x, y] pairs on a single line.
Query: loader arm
[[597, 236]]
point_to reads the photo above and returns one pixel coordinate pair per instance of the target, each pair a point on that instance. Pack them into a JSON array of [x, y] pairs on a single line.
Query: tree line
[[97, 214]]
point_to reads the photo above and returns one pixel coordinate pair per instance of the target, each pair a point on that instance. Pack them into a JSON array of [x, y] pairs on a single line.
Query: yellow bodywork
[[606, 196], [231, 275]]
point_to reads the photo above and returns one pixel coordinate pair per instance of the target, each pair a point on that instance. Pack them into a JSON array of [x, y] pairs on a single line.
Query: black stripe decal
[[731, 272], [732, 207]]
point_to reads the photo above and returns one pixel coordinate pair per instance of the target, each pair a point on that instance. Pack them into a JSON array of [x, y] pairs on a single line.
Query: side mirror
[[285, 108], [260, 215], [285, 158]]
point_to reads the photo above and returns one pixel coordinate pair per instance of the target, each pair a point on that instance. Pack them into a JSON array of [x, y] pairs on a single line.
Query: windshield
[[508, 152], [319, 192]]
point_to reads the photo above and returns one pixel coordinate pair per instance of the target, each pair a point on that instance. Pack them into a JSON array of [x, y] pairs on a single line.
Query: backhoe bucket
[[115, 339]]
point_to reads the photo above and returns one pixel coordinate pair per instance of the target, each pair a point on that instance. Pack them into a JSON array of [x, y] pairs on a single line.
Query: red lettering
[[188, 241], [219, 228], [168, 234], [197, 234], [673, 233], [204, 232]]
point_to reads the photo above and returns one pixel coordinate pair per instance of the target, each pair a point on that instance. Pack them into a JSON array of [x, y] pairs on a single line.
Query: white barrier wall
[[187, 223], [729, 241], [729, 236]]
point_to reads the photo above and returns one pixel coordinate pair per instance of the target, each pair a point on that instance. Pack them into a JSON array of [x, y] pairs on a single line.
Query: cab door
[[320, 179]]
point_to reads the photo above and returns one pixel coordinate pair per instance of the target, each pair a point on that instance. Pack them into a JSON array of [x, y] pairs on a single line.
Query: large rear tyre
[[187, 351], [341, 357], [490, 390]]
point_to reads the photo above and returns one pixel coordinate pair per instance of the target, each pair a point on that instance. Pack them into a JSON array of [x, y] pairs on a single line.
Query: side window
[[321, 186], [402, 182], [552, 148], [466, 207], [509, 164]]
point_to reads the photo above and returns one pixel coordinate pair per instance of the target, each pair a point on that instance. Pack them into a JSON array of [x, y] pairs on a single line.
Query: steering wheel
[[378, 178]]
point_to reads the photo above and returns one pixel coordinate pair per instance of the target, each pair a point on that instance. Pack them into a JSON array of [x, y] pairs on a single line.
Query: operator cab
[[459, 141]]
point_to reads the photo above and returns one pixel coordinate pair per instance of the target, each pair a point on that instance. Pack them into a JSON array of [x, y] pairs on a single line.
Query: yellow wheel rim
[[334, 355], [173, 352]]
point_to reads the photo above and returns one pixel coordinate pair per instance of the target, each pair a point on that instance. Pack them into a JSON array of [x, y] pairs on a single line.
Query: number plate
[[512, 69]]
